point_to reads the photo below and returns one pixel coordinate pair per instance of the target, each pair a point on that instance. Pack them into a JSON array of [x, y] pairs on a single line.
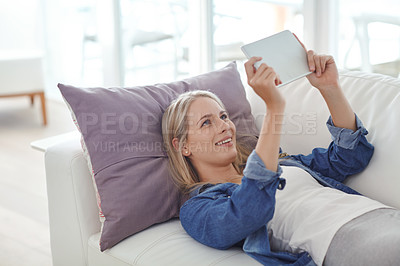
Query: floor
[[24, 230]]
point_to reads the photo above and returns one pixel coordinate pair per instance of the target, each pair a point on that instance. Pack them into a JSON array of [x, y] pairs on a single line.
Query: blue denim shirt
[[223, 215]]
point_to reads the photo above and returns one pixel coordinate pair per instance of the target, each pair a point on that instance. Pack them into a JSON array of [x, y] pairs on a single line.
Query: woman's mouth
[[225, 142]]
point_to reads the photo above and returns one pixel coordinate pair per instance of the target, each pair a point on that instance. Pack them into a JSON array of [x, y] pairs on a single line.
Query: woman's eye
[[205, 123], [224, 116]]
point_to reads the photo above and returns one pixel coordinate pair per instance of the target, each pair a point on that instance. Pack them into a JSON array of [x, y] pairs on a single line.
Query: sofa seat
[[164, 244]]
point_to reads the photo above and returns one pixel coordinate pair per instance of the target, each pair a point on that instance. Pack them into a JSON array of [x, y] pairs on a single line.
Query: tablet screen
[[283, 52]]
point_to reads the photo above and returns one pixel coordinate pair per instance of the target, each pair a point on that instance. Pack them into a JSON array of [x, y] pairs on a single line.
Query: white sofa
[[74, 222]]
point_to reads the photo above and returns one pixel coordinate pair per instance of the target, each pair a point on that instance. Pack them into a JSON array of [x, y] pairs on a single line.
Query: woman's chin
[[230, 156]]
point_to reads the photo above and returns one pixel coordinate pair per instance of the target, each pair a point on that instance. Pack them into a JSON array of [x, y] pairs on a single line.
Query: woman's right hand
[[264, 81]]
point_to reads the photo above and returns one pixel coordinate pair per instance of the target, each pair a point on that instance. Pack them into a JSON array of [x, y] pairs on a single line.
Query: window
[[136, 42], [73, 53], [369, 36], [154, 40], [247, 21]]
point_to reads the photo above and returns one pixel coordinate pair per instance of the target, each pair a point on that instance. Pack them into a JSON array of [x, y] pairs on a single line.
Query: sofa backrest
[[375, 99]]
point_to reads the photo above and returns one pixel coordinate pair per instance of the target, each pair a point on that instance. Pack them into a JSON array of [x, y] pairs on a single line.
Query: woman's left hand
[[325, 78], [325, 74], [324, 71]]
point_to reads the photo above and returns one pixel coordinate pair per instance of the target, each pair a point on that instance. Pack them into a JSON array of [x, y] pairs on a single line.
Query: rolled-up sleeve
[[256, 170], [344, 137], [348, 153]]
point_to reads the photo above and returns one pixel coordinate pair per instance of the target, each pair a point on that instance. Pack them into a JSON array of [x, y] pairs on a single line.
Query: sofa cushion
[[165, 244], [121, 130]]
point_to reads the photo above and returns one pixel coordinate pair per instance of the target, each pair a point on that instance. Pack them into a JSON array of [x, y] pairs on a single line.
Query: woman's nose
[[222, 126]]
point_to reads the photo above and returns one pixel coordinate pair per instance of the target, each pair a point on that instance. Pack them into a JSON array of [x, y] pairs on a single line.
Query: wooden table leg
[[43, 103]]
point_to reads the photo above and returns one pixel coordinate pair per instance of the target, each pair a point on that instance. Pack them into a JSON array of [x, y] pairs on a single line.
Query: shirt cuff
[[255, 169], [344, 137]]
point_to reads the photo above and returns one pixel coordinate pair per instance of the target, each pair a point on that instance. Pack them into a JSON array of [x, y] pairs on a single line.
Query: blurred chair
[[23, 76], [140, 37], [363, 38], [153, 27], [137, 37], [229, 52]]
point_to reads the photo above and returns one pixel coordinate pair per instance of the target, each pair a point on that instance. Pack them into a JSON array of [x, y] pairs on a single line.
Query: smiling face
[[211, 138]]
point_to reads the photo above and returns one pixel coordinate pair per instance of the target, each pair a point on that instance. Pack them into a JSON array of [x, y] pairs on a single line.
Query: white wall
[[21, 25]]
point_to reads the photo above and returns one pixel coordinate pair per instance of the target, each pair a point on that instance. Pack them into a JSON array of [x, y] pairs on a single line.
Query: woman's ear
[[175, 143]]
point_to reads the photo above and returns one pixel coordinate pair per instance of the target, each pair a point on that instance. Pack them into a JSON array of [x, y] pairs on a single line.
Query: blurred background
[[137, 42], [134, 42]]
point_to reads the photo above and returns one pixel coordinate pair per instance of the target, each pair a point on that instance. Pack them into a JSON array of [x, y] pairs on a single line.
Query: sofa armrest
[[73, 211]]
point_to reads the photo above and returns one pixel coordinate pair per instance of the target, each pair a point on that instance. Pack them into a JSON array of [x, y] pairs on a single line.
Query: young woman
[[283, 210]]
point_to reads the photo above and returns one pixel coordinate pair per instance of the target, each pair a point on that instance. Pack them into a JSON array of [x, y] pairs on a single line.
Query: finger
[[262, 71], [318, 65], [310, 58], [324, 61], [264, 74], [267, 77], [269, 74], [258, 75], [249, 66], [259, 70], [278, 80], [328, 59]]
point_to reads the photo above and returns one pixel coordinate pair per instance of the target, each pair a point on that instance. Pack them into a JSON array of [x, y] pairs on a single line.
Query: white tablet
[[283, 52]]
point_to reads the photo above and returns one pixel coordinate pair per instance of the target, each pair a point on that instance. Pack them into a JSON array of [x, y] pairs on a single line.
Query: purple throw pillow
[[121, 130]]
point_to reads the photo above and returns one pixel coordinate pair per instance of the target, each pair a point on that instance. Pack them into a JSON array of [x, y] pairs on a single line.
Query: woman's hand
[[324, 74], [325, 78], [264, 81]]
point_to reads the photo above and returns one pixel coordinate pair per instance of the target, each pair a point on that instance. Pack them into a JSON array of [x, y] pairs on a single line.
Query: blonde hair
[[174, 125]]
